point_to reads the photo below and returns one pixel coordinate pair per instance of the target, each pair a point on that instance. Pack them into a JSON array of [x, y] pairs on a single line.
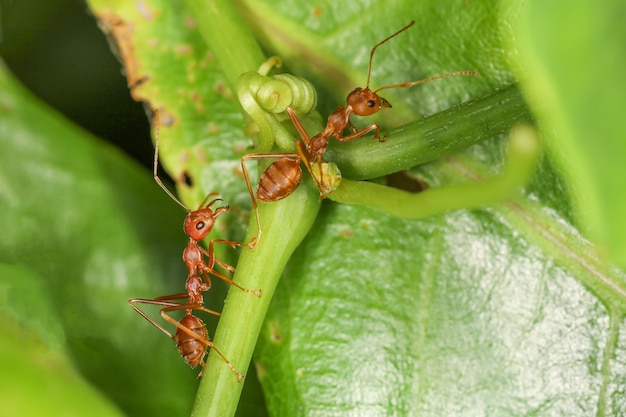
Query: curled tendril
[[263, 97], [304, 97], [271, 62], [274, 95]]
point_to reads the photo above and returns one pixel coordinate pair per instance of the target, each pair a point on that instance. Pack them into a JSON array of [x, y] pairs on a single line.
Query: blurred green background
[[56, 49]]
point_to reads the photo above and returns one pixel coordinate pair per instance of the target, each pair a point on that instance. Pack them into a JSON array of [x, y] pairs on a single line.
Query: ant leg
[[204, 341], [362, 133], [351, 126], [161, 301], [247, 179], [209, 270], [210, 253], [298, 125], [255, 206], [132, 302], [198, 263], [224, 265], [304, 153], [317, 178]]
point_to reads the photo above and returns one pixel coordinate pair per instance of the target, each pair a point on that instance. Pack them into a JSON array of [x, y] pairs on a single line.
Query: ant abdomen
[[191, 349], [279, 180]]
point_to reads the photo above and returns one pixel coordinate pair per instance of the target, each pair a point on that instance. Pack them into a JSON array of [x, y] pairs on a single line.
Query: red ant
[[282, 177], [191, 336], [198, 224]]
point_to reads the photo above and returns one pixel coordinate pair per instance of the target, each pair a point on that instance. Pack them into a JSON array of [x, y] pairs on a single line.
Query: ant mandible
[[283, 176]]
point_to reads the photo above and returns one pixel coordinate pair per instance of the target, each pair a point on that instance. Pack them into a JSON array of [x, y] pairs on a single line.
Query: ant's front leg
[[362, 133], [351, 127]]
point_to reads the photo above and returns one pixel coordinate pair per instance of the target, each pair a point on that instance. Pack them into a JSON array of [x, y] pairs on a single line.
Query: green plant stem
[[432, 137], [228, 36], [284, 224], [523, 152]]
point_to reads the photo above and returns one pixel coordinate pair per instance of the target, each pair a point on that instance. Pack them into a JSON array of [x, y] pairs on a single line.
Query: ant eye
[[199, 225], [371, 103]]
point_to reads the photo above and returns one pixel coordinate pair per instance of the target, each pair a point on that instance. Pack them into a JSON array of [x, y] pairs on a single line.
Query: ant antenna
[[425, 80], [369, 69], [409, 83], [157, 119]]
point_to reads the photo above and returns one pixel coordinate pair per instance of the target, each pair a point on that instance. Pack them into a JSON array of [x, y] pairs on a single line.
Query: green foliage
[[83, 230], [572, 73], [505, 310]]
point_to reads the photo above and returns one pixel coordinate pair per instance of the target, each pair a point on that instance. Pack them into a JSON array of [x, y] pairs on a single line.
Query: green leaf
[[84, 229], [506, 310], [34, 364], [570, 61]]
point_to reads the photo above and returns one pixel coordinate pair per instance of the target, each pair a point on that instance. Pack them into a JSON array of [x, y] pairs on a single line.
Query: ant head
[[199, 223], [365, 102]]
